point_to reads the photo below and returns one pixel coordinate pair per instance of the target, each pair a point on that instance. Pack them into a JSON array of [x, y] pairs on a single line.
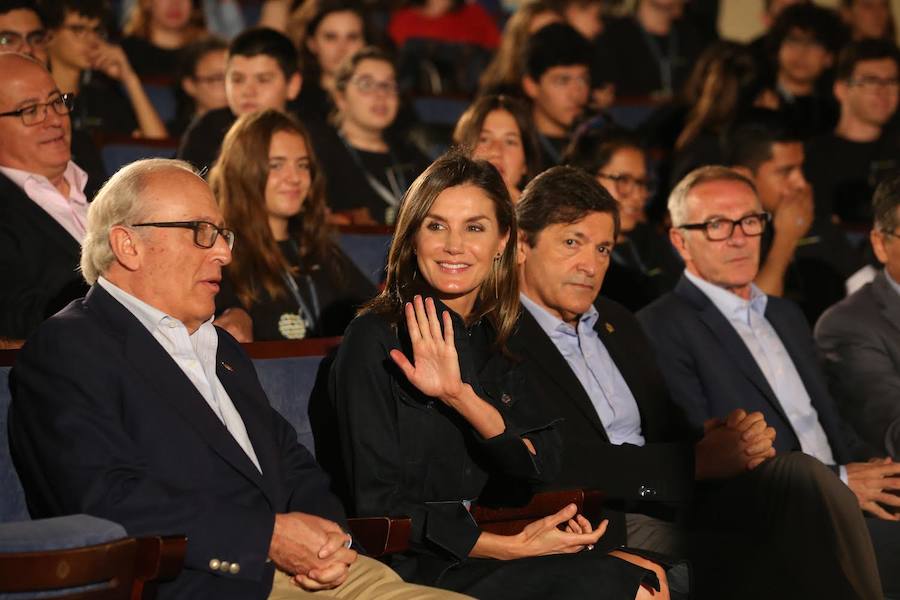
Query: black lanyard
[[394, 175], [309, 314], [666, 62]]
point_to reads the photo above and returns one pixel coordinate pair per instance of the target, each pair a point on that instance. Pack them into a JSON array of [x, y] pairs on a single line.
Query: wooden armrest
[[381, 535], [159, 558], [512, 520]]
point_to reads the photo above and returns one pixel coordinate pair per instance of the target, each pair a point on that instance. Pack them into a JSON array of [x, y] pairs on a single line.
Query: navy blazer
[[711, 372], [104, 422], [38, 263]]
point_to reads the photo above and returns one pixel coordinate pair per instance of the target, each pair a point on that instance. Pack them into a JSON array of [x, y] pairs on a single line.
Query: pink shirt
[[69, 212]]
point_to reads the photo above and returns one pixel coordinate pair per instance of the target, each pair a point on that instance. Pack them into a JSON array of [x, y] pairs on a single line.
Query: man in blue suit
[[130, 405], [723, 344]]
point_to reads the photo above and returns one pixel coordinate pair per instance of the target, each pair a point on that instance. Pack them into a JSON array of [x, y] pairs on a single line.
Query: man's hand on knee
[[303, 543]]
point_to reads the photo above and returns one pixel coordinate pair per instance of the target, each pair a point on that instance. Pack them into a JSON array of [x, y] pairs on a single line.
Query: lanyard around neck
[[394, 175], [666, 62]]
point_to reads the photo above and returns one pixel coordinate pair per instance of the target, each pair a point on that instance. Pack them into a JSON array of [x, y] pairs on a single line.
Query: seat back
[[367, 246], [12, 498], [118, 151]]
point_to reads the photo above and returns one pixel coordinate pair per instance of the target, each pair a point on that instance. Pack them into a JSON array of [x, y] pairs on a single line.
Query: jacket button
[[224, 566], [214, 564], [505, 399], [234, 569], [647, 492]]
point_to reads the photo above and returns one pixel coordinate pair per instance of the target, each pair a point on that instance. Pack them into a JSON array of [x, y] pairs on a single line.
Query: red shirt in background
[[471, 24]]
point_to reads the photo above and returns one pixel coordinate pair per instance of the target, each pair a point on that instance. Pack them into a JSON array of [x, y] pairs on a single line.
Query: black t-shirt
[[201, 142], [809, 116], [643, 267], [347, 171], [102, 106], [330, 292], [149, 60], [624, 54], [844, 174]]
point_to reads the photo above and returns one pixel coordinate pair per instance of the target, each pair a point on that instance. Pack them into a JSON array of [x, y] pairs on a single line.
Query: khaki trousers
[[368, 579]]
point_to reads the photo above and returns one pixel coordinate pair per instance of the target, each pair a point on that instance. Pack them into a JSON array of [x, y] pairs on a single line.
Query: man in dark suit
[[723, 344], [130, 405], [586, 359], [859, 338], [43, 198]]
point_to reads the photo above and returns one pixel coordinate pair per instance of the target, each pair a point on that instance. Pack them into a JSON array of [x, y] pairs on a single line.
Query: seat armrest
[[381, 535]]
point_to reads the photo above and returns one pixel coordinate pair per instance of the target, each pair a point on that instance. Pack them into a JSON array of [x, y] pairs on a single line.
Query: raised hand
[[435, 367]]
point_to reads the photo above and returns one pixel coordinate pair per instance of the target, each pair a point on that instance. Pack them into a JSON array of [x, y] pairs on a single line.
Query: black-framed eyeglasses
[[35, 114], [369, 85], [13, 40], [205, 233], [626, 183], [871, 83], [720, 229]]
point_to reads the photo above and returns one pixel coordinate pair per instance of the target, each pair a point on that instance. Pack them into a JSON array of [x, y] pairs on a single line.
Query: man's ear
[[840, 90], [676, 236], [521, 249], [877, 239], [126, 246], [530, 87], [294, 85], [189, 87]]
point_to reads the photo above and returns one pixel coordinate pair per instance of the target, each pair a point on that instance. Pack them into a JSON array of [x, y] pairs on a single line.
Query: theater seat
[[118, 151]]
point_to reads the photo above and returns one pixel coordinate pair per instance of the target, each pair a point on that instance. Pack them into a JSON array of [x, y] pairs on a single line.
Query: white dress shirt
[[71, 212]]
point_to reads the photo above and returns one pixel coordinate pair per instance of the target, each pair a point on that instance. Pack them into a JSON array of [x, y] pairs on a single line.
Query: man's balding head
[[43, 147]]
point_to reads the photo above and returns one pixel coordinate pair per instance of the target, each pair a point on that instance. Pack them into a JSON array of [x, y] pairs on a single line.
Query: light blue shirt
[[599, 377], [748, 317], [891, 281], [195, 355]]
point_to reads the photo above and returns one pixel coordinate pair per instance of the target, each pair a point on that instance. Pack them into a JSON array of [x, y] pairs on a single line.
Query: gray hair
[[119, 202], [678, 197], [885, 203]]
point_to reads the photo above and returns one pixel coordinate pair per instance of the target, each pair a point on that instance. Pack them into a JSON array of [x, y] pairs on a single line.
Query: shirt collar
[[891, 281], [150, 317], [74, 175], [552, 324], [730, 304]]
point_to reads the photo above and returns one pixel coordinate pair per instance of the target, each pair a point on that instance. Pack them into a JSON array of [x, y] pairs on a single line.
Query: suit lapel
[[160, 372], [547, 357], [888, 301], [730, 340], [50, 231]]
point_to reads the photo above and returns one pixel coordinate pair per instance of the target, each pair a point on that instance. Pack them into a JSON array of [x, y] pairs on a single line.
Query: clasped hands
[[738, 443], [312, 550]]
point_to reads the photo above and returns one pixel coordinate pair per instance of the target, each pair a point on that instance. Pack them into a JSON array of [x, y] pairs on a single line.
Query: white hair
[[678, 198], [119, 202]]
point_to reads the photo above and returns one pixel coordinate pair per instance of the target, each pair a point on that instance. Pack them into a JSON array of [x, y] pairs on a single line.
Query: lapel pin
[[609, 327], [227, 366]]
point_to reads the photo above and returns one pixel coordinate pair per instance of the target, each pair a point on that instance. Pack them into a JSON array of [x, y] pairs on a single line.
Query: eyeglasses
[[627, 183], [870, 83], [368, 85], [12, 41], [717, 230], [205, 233], [35, 114], [82, 31], [217, 78]]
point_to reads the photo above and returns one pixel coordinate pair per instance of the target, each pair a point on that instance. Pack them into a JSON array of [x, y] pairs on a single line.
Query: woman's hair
[[508, 64], [724, 80], [593, 148], [348, 68], [468, 128], [498, 298], [238, 181], [138, 24], [309, 14]]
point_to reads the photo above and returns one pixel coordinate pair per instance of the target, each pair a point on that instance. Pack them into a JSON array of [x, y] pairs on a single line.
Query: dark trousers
[[788, 529]]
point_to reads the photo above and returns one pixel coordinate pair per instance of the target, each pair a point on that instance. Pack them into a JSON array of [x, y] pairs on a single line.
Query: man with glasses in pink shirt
[[43, 200]]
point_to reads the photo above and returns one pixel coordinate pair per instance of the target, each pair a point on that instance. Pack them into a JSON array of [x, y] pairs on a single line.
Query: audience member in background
[[847, 163], [717, 497], [803, 258], [288, 273], [155, 33], [557, 81], [261, 72], [83, 63], [723, 344], [43, 198], [868, 19], [327, 32], [586, 16], [859, 338], [648, 53], [367, 169], [453, 38], [642, 265], [503, 75], [759, 46], [499, 129], [725, 82], [422, 376], [202, 80], [802, 45]]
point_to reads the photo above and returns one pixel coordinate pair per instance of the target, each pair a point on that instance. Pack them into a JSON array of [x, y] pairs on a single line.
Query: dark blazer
[[38, 262], [711, 372], [104, 422], [661, 470], [859, 340]]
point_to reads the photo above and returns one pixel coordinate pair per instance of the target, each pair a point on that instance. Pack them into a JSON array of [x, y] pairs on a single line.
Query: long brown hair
[[498, 297], [238, 181]]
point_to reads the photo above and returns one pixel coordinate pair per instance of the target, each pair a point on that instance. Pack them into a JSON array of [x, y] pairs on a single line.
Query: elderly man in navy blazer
[[724, 344], [130, 405], [859, 338]]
